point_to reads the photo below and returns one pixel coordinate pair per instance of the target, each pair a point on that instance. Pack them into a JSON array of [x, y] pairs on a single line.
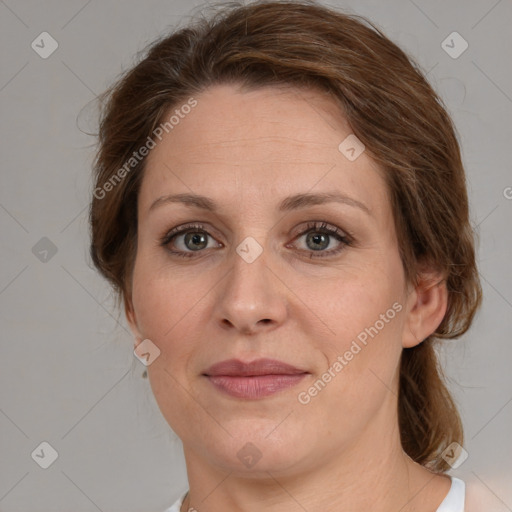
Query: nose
[[250, 298]]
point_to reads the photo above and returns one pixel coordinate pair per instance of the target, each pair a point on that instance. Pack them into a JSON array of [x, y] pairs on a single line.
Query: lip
[[255, 379]]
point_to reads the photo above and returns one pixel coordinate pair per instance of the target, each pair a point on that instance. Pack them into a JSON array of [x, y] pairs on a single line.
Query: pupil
[[196, 239], [317, 240]]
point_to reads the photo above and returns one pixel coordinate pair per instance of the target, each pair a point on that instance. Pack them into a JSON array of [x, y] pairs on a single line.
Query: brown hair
[[390, 107]]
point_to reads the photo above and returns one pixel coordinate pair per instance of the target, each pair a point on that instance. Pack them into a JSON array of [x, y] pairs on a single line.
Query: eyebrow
[[294, 202]]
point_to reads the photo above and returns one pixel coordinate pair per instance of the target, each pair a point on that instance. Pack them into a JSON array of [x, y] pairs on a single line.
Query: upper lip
[[235, 367]]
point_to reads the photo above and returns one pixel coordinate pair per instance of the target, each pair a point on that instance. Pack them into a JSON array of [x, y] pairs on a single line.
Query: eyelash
[[315, 227]]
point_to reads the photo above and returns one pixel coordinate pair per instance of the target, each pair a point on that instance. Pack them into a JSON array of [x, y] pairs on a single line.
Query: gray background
[[67, 373]]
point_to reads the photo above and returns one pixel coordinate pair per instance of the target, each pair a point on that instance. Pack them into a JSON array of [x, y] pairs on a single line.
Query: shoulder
[[454, 500], [177, 504]]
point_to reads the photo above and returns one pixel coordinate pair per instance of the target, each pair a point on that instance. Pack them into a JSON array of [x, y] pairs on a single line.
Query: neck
[[373, 473]]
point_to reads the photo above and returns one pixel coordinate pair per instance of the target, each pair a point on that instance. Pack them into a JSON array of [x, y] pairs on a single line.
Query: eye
[[189, 239], [320, 236]]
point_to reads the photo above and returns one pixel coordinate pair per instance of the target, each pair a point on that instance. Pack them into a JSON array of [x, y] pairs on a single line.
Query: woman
[[280, 204]]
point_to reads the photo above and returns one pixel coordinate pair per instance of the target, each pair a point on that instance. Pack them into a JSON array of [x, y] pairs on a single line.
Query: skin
[[248, 150]]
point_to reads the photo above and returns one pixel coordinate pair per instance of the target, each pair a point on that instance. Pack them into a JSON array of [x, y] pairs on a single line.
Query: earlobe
[[426, 310]]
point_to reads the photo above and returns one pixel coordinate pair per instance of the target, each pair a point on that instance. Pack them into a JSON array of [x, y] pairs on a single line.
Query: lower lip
[[253, 387]]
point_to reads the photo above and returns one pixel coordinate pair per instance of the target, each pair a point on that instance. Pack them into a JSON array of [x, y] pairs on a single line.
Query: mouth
[[253, 380]]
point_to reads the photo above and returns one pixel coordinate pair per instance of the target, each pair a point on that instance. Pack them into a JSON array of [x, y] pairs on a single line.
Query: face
[[267, 268]]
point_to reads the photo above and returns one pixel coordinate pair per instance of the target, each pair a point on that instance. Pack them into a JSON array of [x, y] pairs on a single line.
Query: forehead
[[259, 143]]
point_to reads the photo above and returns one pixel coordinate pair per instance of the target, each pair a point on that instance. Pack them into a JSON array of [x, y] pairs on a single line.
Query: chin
[[254, 452], [264, 461]]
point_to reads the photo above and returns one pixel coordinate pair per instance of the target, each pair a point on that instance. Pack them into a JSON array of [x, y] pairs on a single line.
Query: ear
[[426, 307], [132, 321]]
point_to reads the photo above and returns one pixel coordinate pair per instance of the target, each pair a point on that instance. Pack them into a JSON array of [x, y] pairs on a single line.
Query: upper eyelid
[[311, 224], [184, 229]]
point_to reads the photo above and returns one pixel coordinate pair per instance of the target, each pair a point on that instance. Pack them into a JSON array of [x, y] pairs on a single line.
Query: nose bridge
[[248, 278], [249, 262], [250, 295]]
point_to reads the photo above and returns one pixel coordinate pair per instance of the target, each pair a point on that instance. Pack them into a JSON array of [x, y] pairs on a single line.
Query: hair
[[389, 106]]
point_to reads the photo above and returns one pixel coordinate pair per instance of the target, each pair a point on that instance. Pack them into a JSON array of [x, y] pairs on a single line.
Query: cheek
[[163, 301], [368, 335], [166, 313], [361, 367], [356, 305], [366, 312]]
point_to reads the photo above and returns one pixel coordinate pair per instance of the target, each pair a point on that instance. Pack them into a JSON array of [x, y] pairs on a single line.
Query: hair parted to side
[[390, 107]]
